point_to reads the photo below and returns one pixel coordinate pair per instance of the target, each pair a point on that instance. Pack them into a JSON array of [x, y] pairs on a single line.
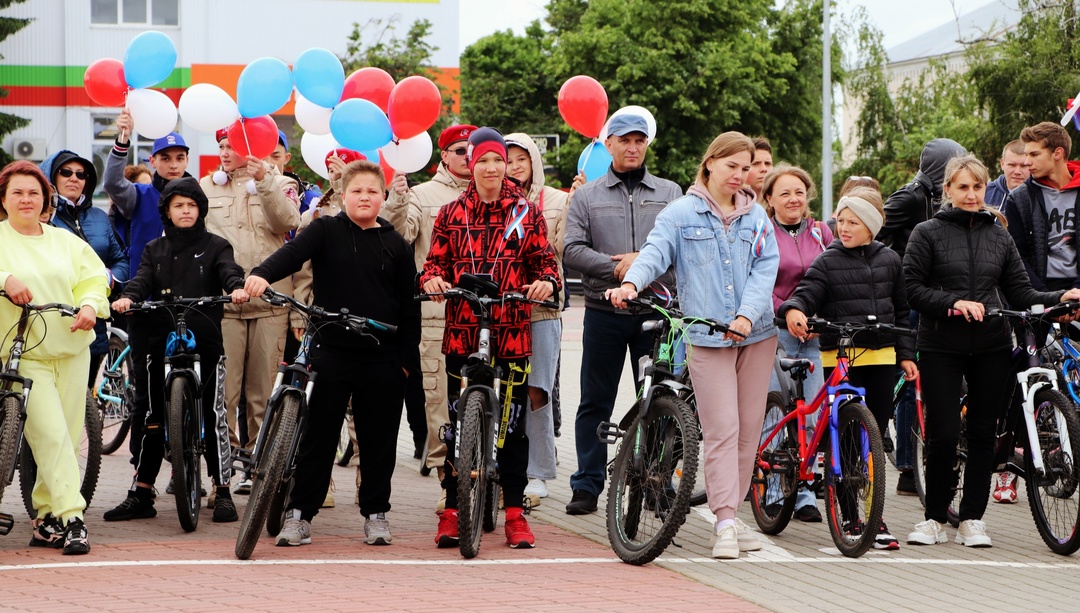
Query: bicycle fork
[[1048, 378]]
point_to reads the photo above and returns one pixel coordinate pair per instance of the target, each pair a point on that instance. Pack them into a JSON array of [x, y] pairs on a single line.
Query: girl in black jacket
[[961, 260], [858, 277]]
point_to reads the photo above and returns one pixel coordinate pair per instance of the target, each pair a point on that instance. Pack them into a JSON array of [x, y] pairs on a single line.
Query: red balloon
[[414, 106], [256, 136], [105, 83], [372, 84], [583, 104]]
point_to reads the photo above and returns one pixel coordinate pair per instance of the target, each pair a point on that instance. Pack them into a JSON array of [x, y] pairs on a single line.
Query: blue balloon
[[361, 125], [149, 59], [319, 77], [264, 87], [372, 155], [594, 160]]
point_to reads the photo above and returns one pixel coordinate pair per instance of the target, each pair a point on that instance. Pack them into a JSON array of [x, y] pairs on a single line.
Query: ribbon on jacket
[[517, 219], [759, 238]]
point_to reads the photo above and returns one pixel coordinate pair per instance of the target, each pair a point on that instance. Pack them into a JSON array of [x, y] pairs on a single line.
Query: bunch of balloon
[[149, 59], [583, 104], [413, 107]]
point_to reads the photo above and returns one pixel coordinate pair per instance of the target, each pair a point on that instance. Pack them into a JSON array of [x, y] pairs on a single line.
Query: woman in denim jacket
[[725, 256]]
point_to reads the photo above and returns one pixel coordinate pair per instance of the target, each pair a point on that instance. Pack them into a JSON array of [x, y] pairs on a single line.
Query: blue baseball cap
[[281, 139], [621, 125], [172, 139]]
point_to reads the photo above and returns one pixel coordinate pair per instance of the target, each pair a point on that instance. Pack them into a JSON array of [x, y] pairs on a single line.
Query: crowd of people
[[740, 246]]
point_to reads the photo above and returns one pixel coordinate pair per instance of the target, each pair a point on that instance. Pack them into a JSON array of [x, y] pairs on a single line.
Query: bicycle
[[846, 434], [272, 461], [481, 423], [113, 393], [184, 432], [658, 463]]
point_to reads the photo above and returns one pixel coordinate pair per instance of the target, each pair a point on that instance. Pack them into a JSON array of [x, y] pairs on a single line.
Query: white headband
[[866, 212]]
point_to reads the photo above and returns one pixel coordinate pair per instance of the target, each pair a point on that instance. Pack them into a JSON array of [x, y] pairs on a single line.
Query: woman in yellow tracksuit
[[44, 264]]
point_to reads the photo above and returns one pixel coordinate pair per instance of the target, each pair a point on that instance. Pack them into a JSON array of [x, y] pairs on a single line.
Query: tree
[[9, 123]]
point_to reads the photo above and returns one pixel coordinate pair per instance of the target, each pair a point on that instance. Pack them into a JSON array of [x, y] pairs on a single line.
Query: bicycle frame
[[1071, 363], [112, 370], [1032, 379]]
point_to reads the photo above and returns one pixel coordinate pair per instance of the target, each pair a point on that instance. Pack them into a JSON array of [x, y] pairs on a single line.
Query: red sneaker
[[448, 529], [518, 534], [1005, 488]]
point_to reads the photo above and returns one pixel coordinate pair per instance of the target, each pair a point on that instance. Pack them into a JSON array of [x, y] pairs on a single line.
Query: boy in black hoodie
[[188, 262], [360, 263]]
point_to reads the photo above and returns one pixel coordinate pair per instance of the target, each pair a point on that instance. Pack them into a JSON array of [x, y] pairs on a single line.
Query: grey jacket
[[605, 220]]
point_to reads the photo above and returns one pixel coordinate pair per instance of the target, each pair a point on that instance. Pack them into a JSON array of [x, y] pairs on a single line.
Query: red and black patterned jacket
[[472, 237]]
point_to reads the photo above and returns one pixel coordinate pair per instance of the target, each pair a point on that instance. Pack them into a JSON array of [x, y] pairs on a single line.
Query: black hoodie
[[370, 272], [917, 201]]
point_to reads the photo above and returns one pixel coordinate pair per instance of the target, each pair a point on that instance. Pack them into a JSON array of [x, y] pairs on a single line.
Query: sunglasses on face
[[67, 172], [459, 151]]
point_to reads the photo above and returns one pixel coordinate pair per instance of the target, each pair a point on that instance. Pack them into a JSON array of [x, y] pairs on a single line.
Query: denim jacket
[[721, 273]]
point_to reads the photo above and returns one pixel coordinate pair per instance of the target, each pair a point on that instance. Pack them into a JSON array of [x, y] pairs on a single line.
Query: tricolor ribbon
[[759, 238], [815, 231], [517, 220]]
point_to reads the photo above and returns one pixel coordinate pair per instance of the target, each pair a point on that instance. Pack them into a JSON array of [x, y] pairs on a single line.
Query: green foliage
[[9, 123]]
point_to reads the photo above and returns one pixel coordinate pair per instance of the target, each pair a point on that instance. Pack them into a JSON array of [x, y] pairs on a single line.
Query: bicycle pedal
[[609, 432], [7, 522]]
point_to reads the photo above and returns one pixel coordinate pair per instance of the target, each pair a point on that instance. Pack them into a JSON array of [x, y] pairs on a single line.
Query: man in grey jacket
[[610, 218]]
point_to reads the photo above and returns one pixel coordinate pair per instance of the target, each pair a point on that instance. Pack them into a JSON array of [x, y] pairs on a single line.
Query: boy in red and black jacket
[[491, 229]]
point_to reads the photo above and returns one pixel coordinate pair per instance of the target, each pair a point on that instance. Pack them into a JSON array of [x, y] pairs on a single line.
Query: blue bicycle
[[113, 391]]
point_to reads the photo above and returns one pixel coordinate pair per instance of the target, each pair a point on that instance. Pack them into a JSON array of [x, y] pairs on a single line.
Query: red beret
[[222, 133], [453, 134], [346, 155]]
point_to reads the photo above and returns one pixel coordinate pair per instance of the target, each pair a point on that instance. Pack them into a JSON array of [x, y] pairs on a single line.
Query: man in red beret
[[413, 211]]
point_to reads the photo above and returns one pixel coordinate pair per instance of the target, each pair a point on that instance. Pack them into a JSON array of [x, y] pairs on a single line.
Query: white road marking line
[[752, 558], [123, 563]]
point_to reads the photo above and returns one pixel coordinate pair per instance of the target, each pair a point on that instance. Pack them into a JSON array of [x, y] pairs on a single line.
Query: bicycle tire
[[647, 505], [1053, 496], [186, 460], [275, 518], [491, 505], [854, 505], [772, 496], [89, 460], [266, 475], [116, 418], [9, 439], [472, 472]]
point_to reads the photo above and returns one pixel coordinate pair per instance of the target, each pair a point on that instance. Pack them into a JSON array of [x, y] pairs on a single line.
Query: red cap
[[221, 134], [346, 155], [453, 134]]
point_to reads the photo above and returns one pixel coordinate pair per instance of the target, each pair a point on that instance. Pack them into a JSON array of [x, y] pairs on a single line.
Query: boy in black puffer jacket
[[854, 278], [188, 262]]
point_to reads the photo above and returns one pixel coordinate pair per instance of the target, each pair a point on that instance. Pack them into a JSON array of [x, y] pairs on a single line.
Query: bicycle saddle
[[787, 364]]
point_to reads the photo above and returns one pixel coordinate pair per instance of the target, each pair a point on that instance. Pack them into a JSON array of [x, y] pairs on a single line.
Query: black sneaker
[[76, 539], [905, 484], [49, 532], [808, 514], [582, 503], [133, 507], [224, 509]]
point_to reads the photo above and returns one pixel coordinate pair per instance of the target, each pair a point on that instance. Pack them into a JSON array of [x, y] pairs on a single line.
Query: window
[[135, 12], [104, 135]]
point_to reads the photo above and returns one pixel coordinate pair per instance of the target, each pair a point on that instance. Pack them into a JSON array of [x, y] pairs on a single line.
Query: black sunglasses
[[67, 172], [459, 151]]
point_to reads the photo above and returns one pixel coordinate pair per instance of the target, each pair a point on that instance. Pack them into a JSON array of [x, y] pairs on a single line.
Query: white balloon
[[409, 155], [153, 112], [207, 107], [313, 148], [633, 109], [312, 117]]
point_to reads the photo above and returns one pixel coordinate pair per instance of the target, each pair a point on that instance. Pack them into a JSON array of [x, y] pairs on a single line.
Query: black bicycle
[[184, 431], [272, 462]]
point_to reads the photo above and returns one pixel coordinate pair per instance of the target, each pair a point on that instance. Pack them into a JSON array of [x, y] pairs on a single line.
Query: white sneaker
[[747, 538], [295, 532], [928, 532], [377, 530], [243, 488], [727, 544], [972, 533], [537, 487]]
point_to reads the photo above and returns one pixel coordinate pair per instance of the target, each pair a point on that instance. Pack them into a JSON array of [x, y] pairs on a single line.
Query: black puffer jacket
[[847, 285], [959, 255]]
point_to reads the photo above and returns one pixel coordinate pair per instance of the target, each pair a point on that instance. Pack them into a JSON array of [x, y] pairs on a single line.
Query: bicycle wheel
[[472, 472], [275, 518], [115, 416], [9, 439], [855, 500], [183, 435], [646, 502], [491, 505], [1053, 494], [89, 460], [773, 491], [266, 476]]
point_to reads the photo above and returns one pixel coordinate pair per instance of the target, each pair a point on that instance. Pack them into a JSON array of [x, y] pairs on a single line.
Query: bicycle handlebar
[[278, 299], [850, 328], [1037, 311], [470, 296], [646, 302], [65, 309], [187, 303]]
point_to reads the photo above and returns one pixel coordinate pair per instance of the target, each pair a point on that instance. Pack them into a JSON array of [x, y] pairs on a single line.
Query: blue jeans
[[605, 339], [792, 347]]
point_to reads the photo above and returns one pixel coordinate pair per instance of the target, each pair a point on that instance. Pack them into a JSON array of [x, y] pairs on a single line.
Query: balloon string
[[247, 141], [588, 154]]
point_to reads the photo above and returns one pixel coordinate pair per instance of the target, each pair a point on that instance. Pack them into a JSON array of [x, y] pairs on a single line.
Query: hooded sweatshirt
[[1042, 223], [917, 201]]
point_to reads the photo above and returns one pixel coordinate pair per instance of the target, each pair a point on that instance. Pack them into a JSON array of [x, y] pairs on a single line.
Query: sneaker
[[972, 533], [328, 502], [47, 532], [905, 484], [377, 530], [212, 498], [448, 529], [885, 540], [928, 532], [808, 514], [745, 537], [76, 539], [295, 532], [244, 487], [853, 530], [133, 507], [537, 487], [440, 506], [727, 543], [582, 503], [225, 508], [1005, 488], [518, 534], [170, 490]]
